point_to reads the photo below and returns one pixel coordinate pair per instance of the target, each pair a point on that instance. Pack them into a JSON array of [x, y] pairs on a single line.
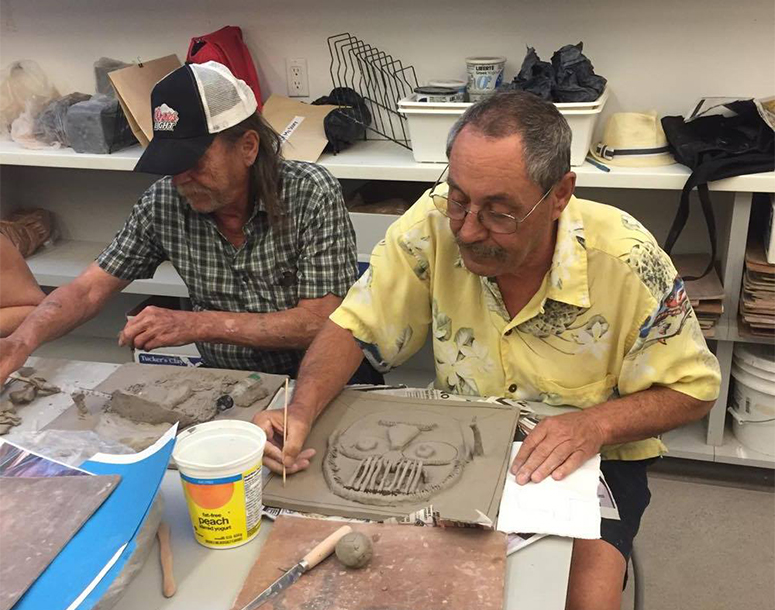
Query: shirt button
[[513, 388]]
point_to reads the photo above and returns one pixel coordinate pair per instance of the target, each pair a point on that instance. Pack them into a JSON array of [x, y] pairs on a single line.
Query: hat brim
[[640, 161], [171, 156]]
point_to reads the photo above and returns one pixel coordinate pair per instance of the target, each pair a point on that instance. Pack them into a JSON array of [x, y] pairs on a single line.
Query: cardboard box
[[182, 355]]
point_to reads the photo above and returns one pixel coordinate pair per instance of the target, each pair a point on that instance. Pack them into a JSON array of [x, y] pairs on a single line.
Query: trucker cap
[[189, 107]]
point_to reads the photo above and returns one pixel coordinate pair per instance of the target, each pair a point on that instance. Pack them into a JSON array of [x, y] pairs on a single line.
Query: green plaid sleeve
[[328, 260], [134, 253]]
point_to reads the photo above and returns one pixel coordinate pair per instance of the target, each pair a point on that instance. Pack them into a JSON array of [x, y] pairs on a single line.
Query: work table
[[207, 579]]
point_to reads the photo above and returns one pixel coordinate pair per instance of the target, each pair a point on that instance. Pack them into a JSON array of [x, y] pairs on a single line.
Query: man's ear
[[249, 147], [562, 193]]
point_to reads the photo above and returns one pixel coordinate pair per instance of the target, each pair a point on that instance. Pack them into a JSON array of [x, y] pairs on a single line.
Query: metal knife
[[310, 560]]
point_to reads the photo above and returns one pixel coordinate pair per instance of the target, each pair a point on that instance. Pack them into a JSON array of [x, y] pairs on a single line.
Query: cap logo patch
[[164, 118]]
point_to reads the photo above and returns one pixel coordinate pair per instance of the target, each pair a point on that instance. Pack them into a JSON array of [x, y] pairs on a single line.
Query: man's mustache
[[189, 191], [480, 250]]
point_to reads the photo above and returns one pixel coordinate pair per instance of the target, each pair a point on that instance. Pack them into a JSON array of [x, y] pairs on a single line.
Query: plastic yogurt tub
[[435, 94], [220, 465], [452, 83], [485, 74]]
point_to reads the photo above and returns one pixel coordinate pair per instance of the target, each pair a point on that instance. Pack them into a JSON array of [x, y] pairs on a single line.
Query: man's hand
[[158, 327], [13, 354], [557, 446], [299, 426]]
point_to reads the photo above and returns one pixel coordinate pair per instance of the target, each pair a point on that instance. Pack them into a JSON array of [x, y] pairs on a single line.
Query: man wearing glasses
[[529, 293]]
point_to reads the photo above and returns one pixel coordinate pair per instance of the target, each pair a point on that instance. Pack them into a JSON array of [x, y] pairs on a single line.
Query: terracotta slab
[[413, 568], [38, 517]]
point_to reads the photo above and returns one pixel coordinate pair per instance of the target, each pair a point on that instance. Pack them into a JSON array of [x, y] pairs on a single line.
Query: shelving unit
[[707, 440], [383, 160], [63, 262]]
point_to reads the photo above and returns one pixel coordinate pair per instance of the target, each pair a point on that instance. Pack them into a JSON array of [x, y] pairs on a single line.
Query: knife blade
[[309, 561]]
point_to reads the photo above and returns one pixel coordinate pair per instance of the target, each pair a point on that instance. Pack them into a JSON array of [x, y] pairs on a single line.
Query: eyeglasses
[[495, 222]]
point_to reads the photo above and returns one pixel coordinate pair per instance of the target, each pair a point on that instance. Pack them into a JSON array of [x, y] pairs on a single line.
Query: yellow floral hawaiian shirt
[[611, 317]]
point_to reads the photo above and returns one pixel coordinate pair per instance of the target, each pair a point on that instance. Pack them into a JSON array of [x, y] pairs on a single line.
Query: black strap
[[682, 215], [714, 169]]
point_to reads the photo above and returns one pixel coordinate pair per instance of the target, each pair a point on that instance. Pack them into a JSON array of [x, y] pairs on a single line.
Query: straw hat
[[633, 139]]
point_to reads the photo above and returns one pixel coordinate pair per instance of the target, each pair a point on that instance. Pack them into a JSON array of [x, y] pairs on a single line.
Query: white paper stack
[[569, 507]]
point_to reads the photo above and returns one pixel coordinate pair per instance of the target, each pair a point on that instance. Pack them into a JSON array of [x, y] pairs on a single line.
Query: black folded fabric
[[570, 77]]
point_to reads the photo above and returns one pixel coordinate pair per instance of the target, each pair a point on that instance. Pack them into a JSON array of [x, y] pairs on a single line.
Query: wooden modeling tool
[[285, 426], [165, 555]]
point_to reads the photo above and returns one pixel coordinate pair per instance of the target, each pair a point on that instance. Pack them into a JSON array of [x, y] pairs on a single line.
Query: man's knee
[[596, 576]]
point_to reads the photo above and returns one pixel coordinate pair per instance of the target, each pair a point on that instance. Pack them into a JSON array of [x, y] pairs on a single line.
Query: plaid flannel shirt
[[309, 254]]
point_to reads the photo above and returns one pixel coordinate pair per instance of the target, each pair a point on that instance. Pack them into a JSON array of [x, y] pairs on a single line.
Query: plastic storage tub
[[430, 123]]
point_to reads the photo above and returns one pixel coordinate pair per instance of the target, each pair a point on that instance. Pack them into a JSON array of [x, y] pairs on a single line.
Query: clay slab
[[38, 516], [162, 396], [375, 435]]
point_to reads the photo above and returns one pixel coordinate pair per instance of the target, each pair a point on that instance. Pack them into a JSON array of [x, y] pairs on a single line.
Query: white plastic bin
[[753, 398], [430, 123]]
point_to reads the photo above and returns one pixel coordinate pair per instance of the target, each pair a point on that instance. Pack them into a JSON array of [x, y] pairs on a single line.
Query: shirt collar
[[568, 278]]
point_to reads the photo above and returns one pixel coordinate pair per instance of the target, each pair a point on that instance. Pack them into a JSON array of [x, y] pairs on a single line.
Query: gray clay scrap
[[137, 403], [354, 550], [31, 387]]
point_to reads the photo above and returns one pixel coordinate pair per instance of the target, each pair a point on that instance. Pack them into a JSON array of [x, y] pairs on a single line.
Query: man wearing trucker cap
[[265, 246]]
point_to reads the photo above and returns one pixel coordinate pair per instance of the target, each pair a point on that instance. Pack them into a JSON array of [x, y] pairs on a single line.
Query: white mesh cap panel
[[227, 100]]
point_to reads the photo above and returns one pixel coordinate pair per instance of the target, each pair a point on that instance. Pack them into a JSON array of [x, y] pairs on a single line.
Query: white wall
[[660, 54]]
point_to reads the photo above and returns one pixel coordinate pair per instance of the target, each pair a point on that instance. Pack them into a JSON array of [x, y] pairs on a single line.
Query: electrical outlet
[[298, 83]]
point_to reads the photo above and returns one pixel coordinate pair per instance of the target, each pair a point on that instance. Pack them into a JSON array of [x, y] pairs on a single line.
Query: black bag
[[717, 147], [347, 123]]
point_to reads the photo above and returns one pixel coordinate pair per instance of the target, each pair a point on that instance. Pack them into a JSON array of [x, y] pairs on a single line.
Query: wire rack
[[379, 79]]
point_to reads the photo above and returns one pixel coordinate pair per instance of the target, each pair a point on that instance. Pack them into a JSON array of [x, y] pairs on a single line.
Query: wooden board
[[413, 568]]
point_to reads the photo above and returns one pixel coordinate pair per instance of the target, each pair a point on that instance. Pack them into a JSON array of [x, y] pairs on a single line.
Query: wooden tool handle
[[325, 548], [165, 554]]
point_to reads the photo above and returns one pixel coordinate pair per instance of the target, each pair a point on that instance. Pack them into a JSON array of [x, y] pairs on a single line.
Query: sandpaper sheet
[[38, 517], [128, 374], [474, 498], [413, 568]]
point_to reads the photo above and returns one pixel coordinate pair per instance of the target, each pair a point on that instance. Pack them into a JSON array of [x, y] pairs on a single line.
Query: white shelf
[[688, 442], [732, 452], [123, 160], [65, 260], [383, 160]]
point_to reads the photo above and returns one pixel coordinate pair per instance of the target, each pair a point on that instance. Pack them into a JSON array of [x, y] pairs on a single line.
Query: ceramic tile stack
[[705, 294], [757, 301]]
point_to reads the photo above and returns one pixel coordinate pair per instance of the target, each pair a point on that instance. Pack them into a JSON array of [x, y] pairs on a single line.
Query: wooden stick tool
[[165, 555], [285, 426]]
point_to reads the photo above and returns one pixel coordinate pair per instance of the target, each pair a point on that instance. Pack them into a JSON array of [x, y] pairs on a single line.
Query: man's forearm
[[646, 414], [60, 312], [290, 329], [330, 362]]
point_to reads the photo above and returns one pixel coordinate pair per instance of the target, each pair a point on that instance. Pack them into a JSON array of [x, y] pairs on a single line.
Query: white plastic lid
[[219, 448], [454, 83], [759, 356], [485, 60]]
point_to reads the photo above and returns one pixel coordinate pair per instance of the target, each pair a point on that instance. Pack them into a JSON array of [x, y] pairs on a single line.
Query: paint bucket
[[485, 75], [220, 470], [452, 83], [435, 94], [753, 398]]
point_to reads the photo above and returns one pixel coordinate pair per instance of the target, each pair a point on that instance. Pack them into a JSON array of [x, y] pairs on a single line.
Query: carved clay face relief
[[382, 459]]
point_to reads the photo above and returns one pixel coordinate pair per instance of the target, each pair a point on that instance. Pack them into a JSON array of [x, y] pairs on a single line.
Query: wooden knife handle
[[325, 548], [165, 554]]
